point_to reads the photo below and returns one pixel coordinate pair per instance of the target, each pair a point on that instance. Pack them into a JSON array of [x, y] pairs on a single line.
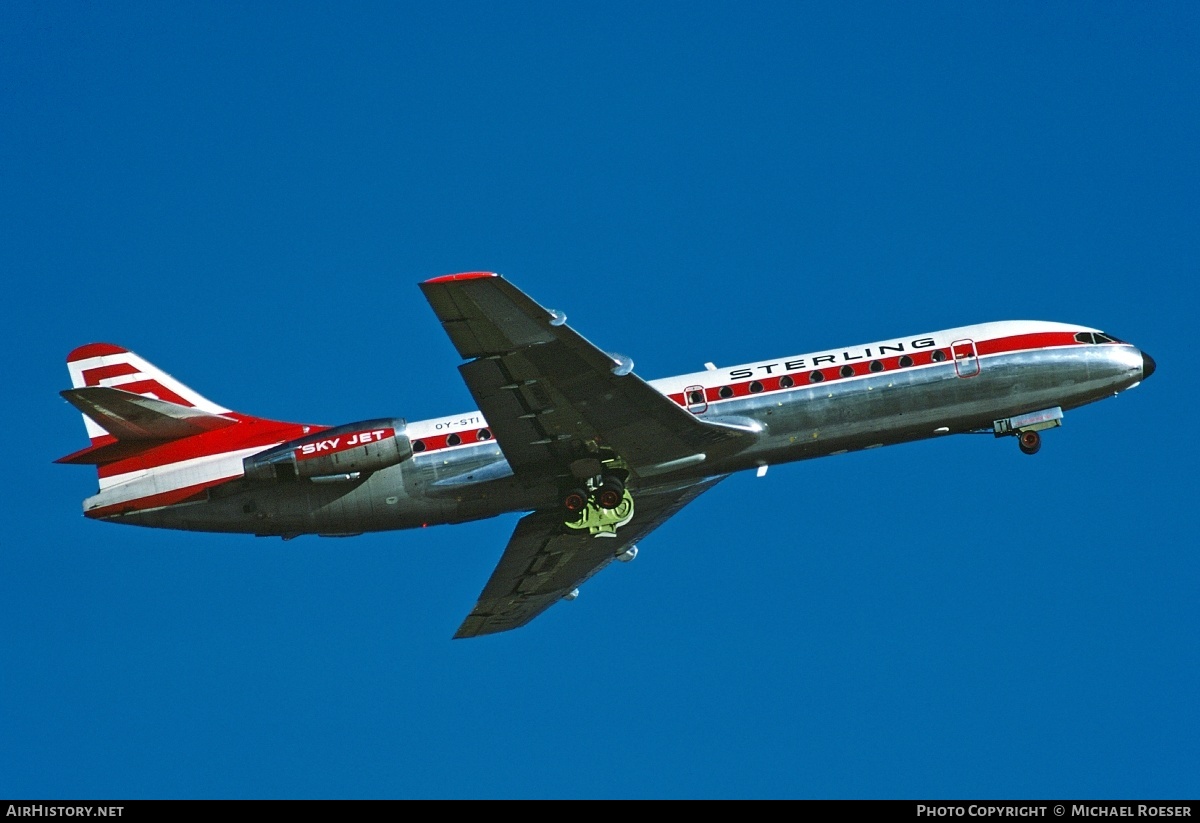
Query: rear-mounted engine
[[344, 453]]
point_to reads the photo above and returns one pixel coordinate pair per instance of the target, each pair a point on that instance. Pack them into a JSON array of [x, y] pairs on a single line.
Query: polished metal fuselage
[[799, 423]]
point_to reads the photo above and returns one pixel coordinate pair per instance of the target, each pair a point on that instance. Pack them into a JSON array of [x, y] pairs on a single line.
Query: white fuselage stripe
[[215, 465]]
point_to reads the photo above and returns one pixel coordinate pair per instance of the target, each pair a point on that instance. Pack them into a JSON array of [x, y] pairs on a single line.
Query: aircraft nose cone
[[1148, 365]]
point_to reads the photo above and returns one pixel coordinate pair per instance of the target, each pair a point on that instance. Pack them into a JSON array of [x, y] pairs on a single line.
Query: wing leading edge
[[548, 394]]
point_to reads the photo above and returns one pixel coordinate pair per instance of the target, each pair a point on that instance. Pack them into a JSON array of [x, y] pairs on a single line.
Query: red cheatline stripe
[[92, 377], [94, 350], [154, 501], [1036, 340], [920, 357], [469, 437], [250, 432], [467, 275]]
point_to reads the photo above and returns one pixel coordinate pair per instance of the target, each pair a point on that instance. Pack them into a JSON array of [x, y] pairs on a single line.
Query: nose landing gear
[[1029, 441], [1028, 427]]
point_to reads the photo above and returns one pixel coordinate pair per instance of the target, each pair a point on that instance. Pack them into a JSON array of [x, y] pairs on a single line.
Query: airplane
[[595, 456]]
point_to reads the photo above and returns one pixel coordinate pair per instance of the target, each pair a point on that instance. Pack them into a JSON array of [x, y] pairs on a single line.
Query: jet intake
[[340, 454]]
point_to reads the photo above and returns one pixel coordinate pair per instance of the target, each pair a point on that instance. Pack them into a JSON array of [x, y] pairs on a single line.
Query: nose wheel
[[1029, 441]]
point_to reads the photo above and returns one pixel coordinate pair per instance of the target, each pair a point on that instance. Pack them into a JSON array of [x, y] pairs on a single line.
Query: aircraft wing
[[544, 560], [548, 393]]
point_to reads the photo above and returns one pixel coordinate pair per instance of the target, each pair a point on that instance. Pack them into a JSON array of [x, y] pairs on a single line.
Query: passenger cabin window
[[418, 445], [876, 366], [847, 371], [786, 382], [905, 361], [756, 387], [453, 440], [816, 377], [696, 397], [938, 355], [483, 434], [726, 392]]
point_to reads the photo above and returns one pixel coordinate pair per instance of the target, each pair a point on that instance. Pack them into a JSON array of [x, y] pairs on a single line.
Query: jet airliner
[[595, 456]]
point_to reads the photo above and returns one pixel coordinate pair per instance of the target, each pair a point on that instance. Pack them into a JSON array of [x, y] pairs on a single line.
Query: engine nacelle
[[344, 453]]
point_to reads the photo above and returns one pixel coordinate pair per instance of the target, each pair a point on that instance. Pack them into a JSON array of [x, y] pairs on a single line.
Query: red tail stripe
[[94, 350], [92, 377], [157, 389]]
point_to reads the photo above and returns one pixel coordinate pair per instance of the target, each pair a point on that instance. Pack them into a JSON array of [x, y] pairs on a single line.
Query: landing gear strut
[[1029, 441]]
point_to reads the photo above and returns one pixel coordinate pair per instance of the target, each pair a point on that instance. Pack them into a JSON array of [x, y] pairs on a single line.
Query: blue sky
[[248, 197]]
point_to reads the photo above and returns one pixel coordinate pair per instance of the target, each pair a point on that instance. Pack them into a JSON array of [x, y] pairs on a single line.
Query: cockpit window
[[1095, 337]]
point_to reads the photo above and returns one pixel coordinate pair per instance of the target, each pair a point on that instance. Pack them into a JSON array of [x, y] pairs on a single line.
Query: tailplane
[[130, 406], [103, 365]]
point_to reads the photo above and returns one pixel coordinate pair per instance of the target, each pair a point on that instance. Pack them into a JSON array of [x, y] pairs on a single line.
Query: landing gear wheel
[[610, 494], [1029, 442], [575, 501]]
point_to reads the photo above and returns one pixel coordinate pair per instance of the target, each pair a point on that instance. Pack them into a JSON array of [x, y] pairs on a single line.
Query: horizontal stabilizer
[[102, 453], [128, 416]]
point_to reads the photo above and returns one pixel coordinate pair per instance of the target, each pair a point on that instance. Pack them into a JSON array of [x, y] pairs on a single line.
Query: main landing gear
[[601, 506]]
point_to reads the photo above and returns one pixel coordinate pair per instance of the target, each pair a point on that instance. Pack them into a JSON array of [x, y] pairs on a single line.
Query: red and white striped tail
[[103, 364], [154, 441]]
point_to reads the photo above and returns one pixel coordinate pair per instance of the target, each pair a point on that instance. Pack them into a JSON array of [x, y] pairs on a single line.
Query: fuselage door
[[966, 361], [697, 401]]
